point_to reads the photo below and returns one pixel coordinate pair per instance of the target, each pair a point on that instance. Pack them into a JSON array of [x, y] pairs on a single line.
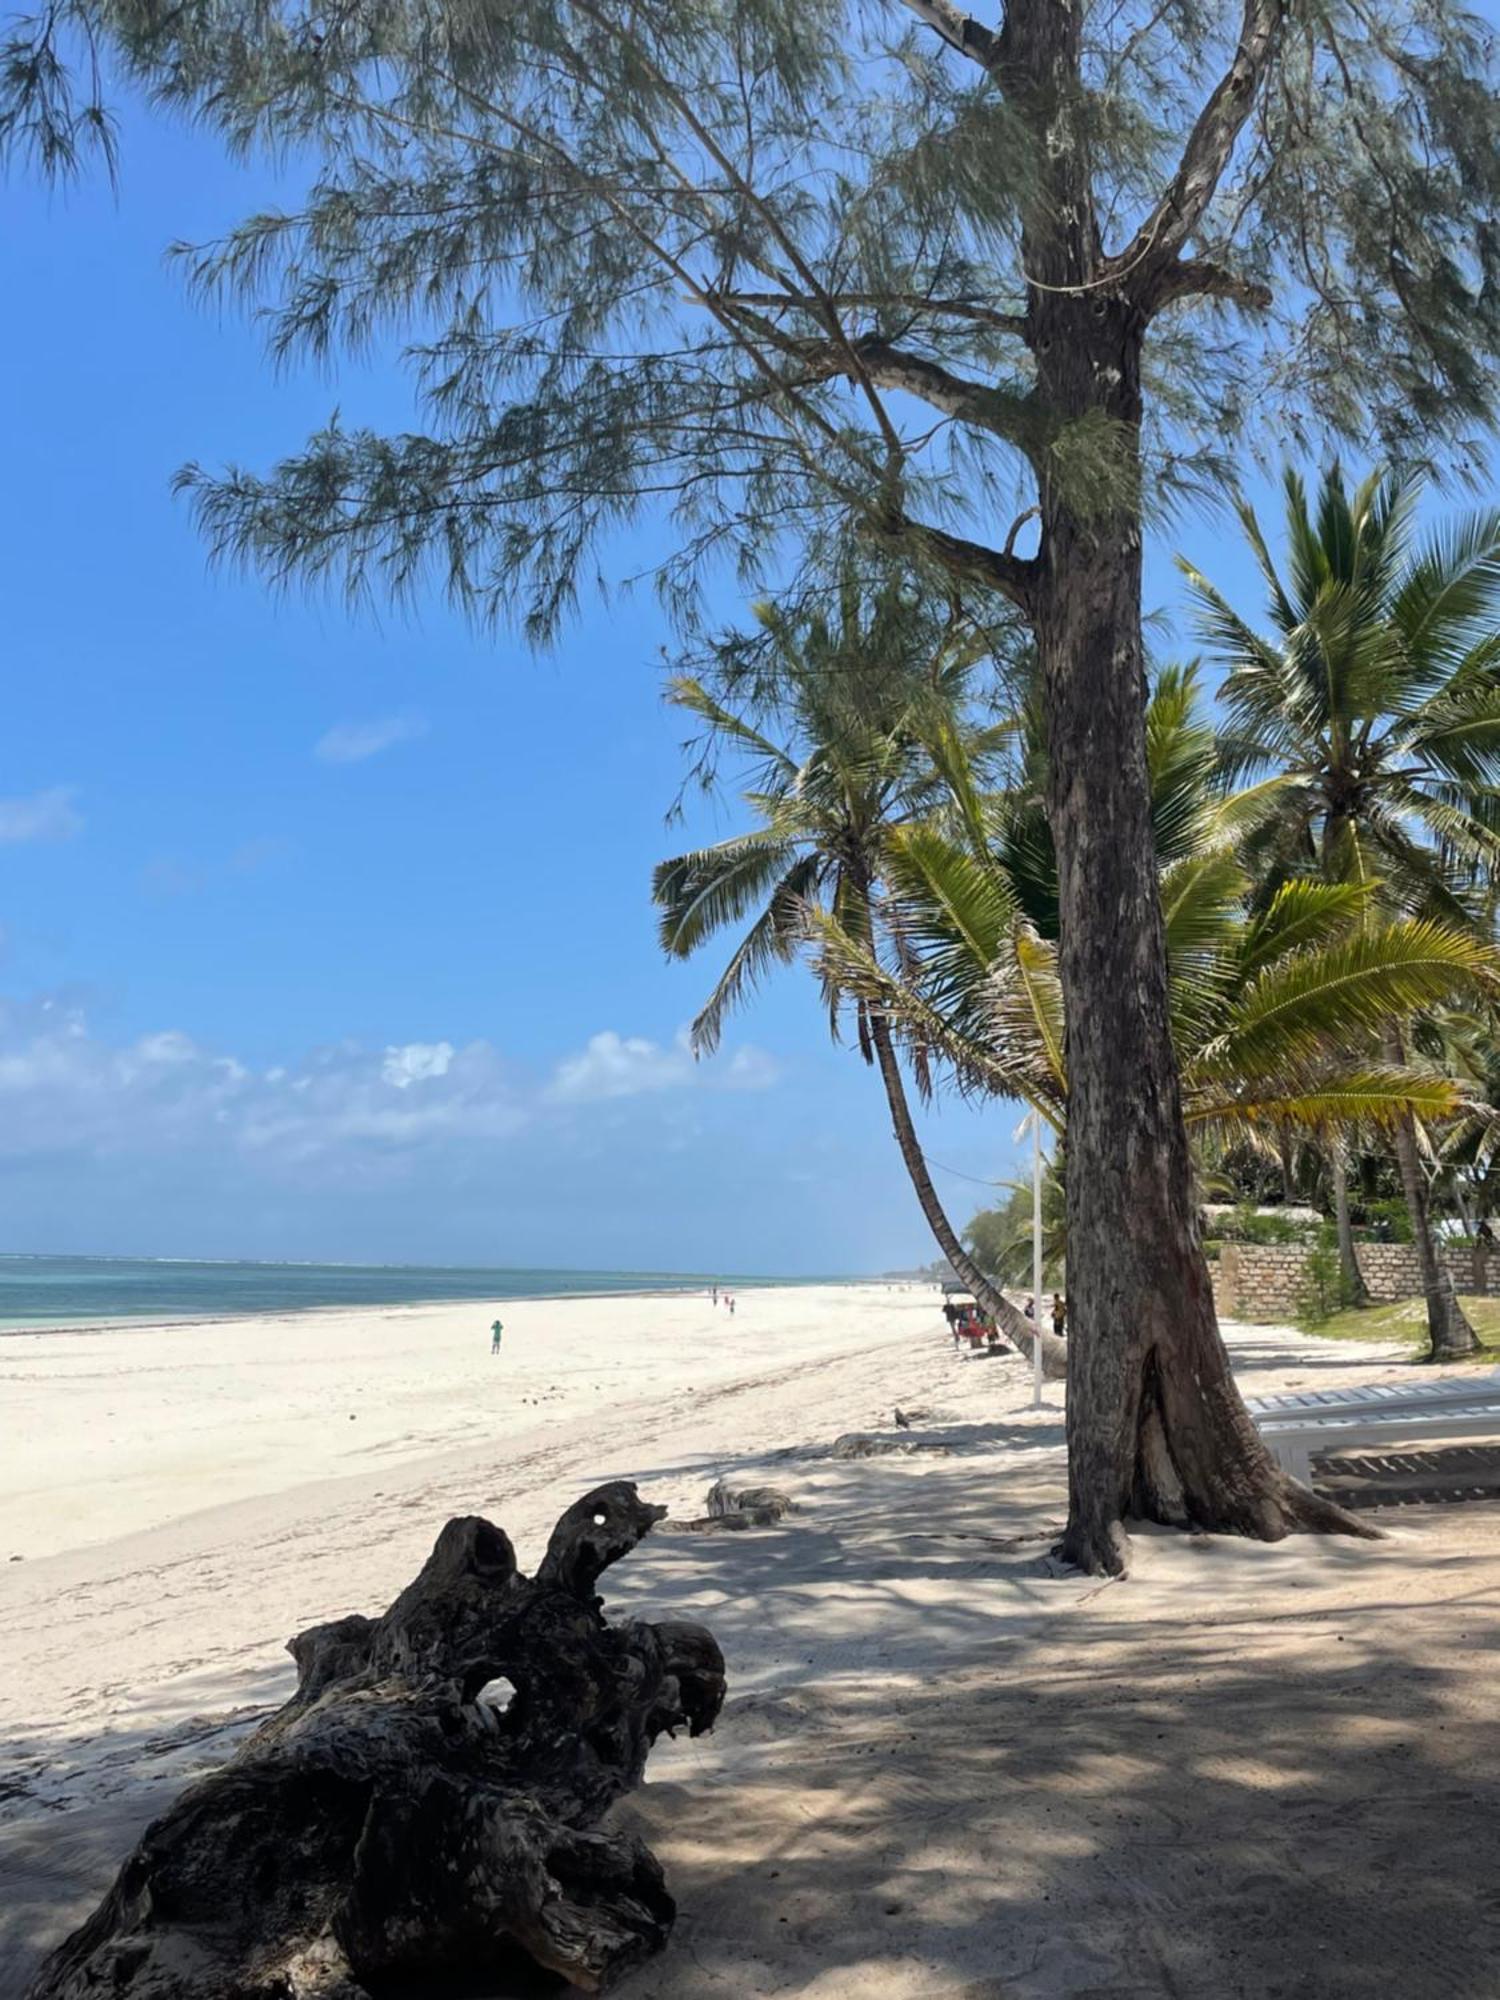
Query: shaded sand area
[[945, 1768]]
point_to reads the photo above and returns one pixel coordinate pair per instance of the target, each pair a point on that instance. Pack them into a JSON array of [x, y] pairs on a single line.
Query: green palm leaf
[[703, 891], [1347, 990]]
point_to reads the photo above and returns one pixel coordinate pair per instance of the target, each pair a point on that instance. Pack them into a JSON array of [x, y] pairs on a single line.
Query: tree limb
[[1004, 413], [916, 302], [959, 30], [1208, 149], [422, 1815], [971, 562], [1189, 277]]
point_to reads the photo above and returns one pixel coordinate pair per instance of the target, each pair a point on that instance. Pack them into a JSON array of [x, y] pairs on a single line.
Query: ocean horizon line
[[43, 1292]]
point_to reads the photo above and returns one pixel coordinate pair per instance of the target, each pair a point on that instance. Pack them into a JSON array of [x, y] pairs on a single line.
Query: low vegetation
[[1405, 1321]]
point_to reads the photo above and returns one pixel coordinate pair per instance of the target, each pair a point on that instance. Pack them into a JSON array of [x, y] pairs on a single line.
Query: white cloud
[[416, 1062], [352, 742], [615, 1065], [751, 1068], [64, 1088], [346, 1115], [170, 1047], [49, 815]]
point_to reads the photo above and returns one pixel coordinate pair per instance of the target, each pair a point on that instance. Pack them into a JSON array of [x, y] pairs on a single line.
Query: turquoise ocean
[[38, 1294]]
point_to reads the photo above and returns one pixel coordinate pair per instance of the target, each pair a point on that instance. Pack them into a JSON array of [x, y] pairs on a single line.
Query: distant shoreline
[[151, 1320]]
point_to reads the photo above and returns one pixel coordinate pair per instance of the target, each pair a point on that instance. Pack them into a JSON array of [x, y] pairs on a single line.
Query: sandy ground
[[946, 1768]]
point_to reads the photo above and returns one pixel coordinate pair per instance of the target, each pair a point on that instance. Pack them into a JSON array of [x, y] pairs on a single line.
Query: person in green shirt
[[495, 1332]]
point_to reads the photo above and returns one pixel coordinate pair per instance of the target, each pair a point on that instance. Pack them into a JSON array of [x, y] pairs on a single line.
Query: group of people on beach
[[965, 1317], [1059, 1313], [728, 1298]]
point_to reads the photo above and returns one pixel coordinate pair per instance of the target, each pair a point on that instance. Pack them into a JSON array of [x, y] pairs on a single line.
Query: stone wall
[[1390, 1269], [1265, 1281], [1262, 1281]]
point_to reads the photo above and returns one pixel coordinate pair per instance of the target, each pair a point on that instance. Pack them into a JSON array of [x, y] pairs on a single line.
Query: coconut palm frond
[[1201, 899], [1451, 589], [1335, 1101], [773, 939], [1300, 913], [683, 691], [1378, 704], [1348, 990], [1029, 1002], [702, 891], [996, 1062]]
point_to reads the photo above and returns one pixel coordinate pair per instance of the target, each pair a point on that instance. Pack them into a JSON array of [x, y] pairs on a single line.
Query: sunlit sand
[[945, 1767]]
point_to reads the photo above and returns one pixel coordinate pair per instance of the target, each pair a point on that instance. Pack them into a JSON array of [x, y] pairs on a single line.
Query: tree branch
[[1030, 514], [1004, 413], [959, 30], [916, 302], [971, 562], [1208, 149], [1189, 277]]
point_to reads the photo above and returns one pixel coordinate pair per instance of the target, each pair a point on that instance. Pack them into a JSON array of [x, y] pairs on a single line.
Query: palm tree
[[1374, 713], [1278, 1003], [1001, 1238], [1270, 1007], [861, 698]]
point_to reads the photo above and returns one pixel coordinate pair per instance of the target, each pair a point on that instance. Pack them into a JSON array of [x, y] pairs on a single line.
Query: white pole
[[1036, 1258]]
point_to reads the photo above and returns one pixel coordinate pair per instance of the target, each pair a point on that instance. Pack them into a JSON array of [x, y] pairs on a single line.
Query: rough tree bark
[[1356, 1293], [1020, 1329], [1287, 1156], [1450, 1334], [390, 1830], [1156, 1426]]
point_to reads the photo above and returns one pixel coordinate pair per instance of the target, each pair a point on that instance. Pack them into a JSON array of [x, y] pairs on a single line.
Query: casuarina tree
[[987, 287]]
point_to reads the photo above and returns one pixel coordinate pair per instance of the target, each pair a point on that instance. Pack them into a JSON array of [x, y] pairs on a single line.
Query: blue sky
[[331, 937]]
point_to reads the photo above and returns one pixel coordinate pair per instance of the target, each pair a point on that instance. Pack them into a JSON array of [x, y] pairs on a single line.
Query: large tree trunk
[[1156, 1426], [1450, 1334], [393, 1830], [1352, 1279], [1016, 1324]]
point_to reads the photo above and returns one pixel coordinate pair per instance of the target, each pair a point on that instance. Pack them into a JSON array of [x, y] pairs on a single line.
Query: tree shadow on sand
[[1231, 1804], [950, 1768]]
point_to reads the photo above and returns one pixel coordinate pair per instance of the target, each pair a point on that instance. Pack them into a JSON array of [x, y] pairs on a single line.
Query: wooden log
[[731, 1510], [417, 1818]]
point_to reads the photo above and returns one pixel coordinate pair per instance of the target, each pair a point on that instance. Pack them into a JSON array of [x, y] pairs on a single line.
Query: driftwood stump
[[731, 1510], [393, 1830]]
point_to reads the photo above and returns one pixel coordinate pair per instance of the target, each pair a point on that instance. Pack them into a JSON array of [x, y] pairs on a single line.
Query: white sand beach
[[945, 1766]]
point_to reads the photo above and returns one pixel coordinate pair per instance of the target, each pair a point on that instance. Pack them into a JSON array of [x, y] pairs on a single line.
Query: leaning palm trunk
[[1449, 1332], [1351, 1277], [990, 1297], [1448, 1326]]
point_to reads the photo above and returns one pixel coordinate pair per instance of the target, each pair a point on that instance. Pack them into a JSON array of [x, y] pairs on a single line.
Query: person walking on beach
[[716, 1292], [1059, 1315], [495, 1332]]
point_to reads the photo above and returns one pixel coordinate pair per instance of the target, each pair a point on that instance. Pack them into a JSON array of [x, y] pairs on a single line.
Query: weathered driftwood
[[732, 1509], [393, 1829], [875, 1444]]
